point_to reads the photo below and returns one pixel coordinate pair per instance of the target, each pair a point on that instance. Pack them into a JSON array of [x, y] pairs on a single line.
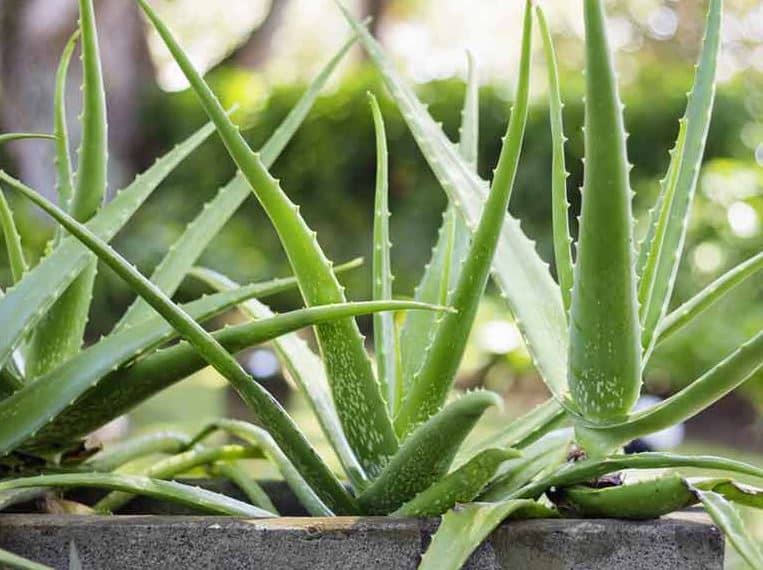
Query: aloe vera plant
[[390, 421]]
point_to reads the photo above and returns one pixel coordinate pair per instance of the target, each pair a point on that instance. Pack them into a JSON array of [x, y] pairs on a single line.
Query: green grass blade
[[458, 487], [64, 175], [605, 349], [306, 369], [356, 391], [559, 174], [463, 529], [714, 292], [385, 335], [426, 455], [260, 438], [433, 381], [116, 455], [728, 520], [240, 477], [667, 255], [10, 560], [175, 465], [16, 258], [522, 276], [184, 253], [265, 408], [164, 490], [24, 305]]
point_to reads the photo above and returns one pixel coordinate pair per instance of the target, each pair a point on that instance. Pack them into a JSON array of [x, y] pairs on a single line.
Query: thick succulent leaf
[[605, 349], [184, 253], [25, 304], [116, 455], [265, 408], [460, 486], [164, 490], [356, 392], [433, 381], [64, 173], [9, 137], [19, 496], [385, 333], [728, 520], [702, 301], [559, 174], [10, 560], [12, 241], [724, 377], [240, 477], [171, 467], [260, 438], [464, 528], [524, 279], [732, 491], [306, 369], [667, 253], [426, 455]]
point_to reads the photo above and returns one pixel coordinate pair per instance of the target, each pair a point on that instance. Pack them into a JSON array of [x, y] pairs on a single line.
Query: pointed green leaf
[[116, 455], [64, 176], [732, 491], [433, 381], [12, 241], [10, 560], [155, 488], [426, 455], [667, 254], [531, 292]]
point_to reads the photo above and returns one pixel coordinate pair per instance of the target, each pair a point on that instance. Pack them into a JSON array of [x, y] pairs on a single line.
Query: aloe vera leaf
[[116, 455], [642, 500], [186, 250], [453, 237], [667, 254], [10, 137], [605, 349], [464, 528], [240, 477], [356, 392], [260, 438], [306, 368], [728, 520], [10, 560], [174, 465], [64, 176], [12, 241], [426, 455], [714, 292], [460, 486], [19, 496], [385, 336], [731, 490], [559, 174], [438, 370], [524, 279], [155, 488], [718, 381], [25, 304]]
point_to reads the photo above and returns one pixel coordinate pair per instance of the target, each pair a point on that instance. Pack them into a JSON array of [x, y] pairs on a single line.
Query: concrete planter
[[686, 542]]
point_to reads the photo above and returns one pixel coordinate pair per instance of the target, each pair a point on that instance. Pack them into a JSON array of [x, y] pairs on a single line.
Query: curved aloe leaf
[[385, 334], [732, 491], [155, 488], [524, 279], [12, 241], [714, 292], [728, 520], [464, 528], [186, 250], [426, 455], [667, 254], [10, 560], [605, 349], [19, 496], [240, 477], [433, 381], [266, 409], [25, 304], [260, 438], [461, 486], [356, 391], [306, 368], [10, 137], [559, 174], [123, 452], [170, 467], [64, 176], [703, 392]]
